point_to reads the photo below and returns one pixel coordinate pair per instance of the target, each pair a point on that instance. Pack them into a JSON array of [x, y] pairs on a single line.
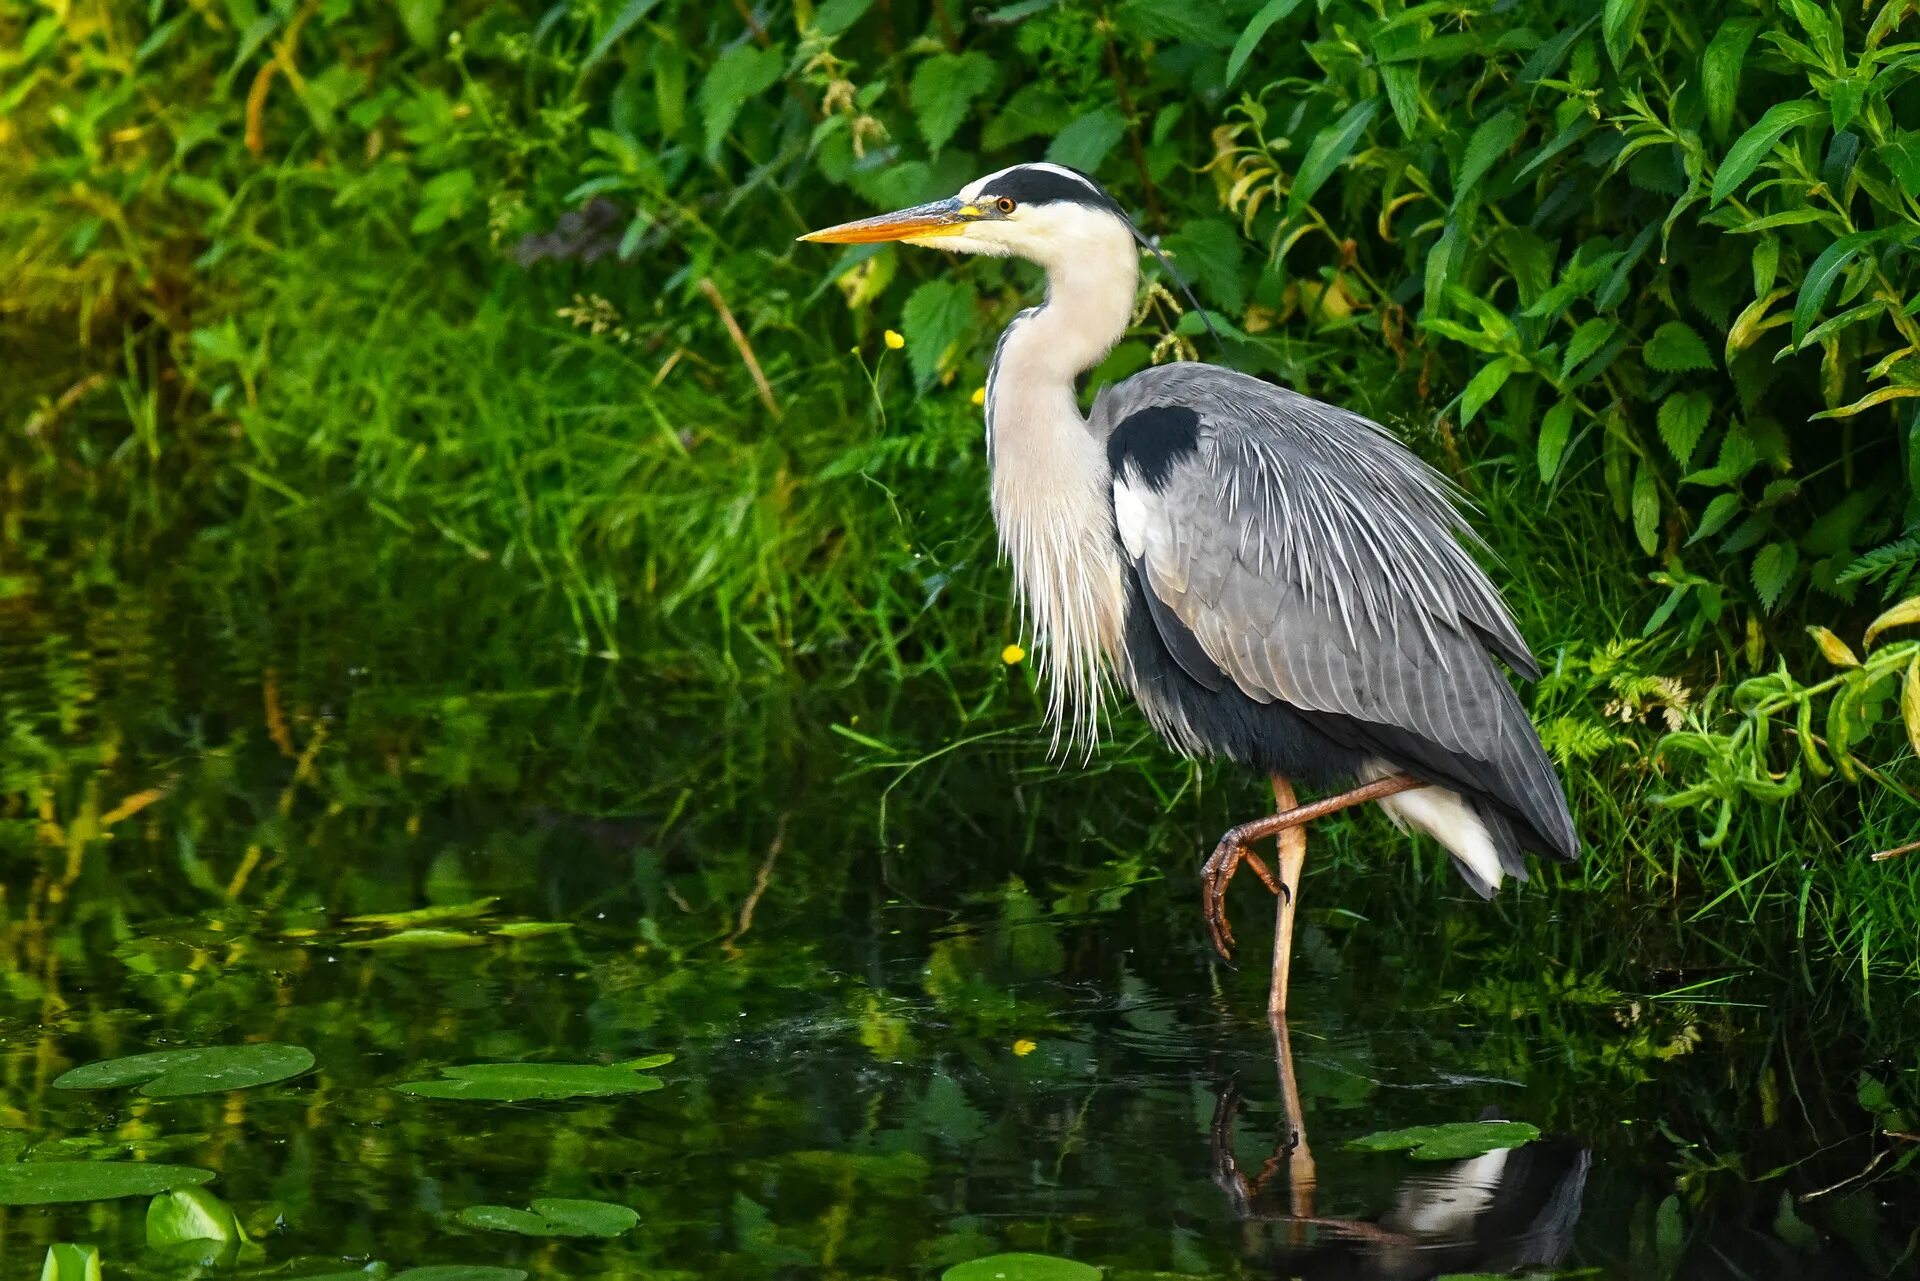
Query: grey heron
[[1276, 581]]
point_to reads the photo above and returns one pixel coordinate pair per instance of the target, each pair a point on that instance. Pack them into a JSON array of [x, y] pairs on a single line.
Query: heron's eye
[[1005, 204]]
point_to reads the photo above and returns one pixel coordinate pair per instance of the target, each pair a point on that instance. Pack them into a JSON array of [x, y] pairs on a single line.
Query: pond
[[781, 1015]]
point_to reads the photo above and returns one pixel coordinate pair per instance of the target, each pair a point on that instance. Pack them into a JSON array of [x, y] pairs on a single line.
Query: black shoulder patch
[[1150, 442], [1028, 185]]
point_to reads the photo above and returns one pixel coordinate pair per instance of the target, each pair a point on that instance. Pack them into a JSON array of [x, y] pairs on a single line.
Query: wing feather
[[1314, 560]]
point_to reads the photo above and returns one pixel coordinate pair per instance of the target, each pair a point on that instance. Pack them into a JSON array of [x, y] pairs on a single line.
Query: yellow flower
[[1023, 1047], [895, 341], [979, 396], [1012, 654]]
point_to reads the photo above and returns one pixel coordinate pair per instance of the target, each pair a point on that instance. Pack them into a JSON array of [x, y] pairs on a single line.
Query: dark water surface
[[987, 1023]]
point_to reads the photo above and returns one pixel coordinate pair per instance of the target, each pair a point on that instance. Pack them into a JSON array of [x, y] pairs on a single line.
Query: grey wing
[[1317, 562]]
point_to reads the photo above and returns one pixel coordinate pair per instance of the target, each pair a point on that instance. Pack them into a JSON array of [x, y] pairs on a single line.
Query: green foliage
[[521, 1082], [71, 1263], [167, 1074], [1449, 1142], [59, 1182], [1020, 1267], [554, 1217]]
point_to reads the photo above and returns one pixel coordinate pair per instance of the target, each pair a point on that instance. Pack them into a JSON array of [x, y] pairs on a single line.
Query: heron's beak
[[922, 222]]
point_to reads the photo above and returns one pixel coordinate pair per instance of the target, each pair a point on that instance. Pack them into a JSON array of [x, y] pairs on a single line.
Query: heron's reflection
[[1509, 1209]]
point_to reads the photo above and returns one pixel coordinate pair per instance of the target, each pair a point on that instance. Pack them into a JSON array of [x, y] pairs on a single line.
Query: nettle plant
[[1675, 241]]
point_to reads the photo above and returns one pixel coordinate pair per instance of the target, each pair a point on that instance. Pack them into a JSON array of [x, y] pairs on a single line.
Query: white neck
[[1052, 499]]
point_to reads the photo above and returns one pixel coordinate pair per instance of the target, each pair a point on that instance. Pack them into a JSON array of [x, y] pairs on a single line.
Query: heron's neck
[[1052, 499], [1045, 350]]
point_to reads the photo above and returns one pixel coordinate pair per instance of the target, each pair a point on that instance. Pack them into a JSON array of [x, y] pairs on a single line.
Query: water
[[988, 1024]]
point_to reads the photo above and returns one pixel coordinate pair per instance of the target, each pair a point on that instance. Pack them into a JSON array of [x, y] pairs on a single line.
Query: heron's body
[[1275, 580]]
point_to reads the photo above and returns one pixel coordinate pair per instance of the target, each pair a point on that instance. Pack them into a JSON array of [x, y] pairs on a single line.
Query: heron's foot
[[1227, 858]]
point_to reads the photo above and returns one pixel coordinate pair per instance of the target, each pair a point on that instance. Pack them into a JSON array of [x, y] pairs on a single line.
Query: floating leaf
[[62, 1182], [554, 1217], [71, 1263], [1676, 348], [191, 1214], [428, 915], [421, 940], [212, 1069], [523, 1082], [1450, 1142], [1021, 1267]]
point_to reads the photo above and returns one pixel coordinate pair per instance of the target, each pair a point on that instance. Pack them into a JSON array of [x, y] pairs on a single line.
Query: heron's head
[[1046, 213]]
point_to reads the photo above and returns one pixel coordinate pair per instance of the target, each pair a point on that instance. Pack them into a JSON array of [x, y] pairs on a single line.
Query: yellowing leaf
[[1906, 612], [1833, 647], [1910, 704]]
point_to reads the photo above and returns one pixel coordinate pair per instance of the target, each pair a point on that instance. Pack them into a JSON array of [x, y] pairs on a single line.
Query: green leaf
[[1257, 27], [1720, 70], [629, 16], [737, 76], [944, 86], [1450, 1142], [1020, 1267], [1590, 337], [1683, 420], [835, 16], [71, 1263], [1329, 147], [420, 940], [191, 1214], [1719, 514], [213, 1069], [459, 1272], [60, 1182], [938, 315], [1086, 142], [1773, 567], [1210, 253], [1033, 109], [1646, 508], [428, 915], [1845, 97], [1619, 24], [1485, 385], [1491, 141], [1901, 155], [1752, 146], [1180, 20], [1555, 429], [1820, 277], [1676, 348], [554, 1217], [523, 1082]]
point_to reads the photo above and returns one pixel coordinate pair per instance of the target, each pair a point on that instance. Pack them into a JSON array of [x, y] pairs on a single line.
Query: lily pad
[[212, 1069], [1451, 1142], [1021, 1267], [428, 915], [554, 1217], [420, 940], [61, 1182], [192, 1214], [526, 1082]]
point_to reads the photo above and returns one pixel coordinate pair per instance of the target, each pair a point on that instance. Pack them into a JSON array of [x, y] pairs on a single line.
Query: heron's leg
[[1293, 857], [1234, 850], [1302, 1175]]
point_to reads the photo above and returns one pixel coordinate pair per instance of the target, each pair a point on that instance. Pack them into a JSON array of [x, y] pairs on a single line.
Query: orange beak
[[922, 222]]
